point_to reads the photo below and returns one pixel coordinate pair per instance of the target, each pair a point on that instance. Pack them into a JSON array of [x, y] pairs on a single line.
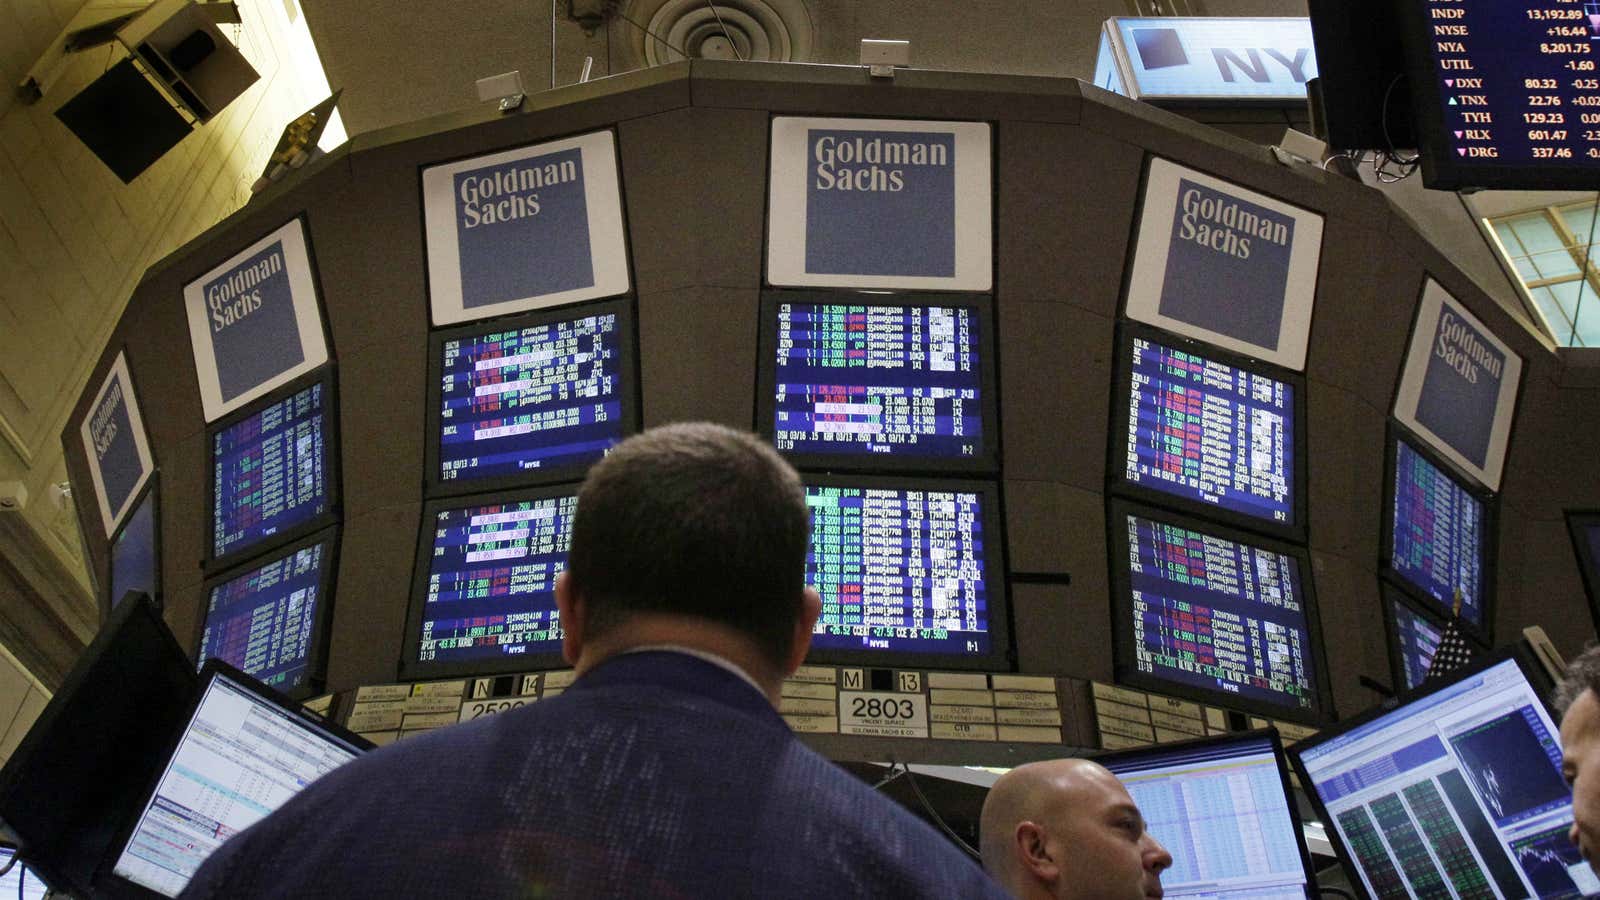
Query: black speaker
[[125, 120]]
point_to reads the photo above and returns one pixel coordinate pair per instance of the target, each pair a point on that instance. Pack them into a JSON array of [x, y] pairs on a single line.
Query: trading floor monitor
[[1438, 537]]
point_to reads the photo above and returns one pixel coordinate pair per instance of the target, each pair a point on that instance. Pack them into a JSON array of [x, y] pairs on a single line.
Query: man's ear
[[1033, 853], [573, 614], [800, 641]]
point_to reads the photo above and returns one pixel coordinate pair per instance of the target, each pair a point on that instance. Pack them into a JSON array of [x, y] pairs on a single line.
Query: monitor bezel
[[1121, 605], [1001, 655], [1577, 520], [327, 376], [413, 669], [1482, 634], [1117, 449], [321, 628], [629, 393], [1518, 653], [107, 880], [152, 493], [1110, 757], [985, 463]]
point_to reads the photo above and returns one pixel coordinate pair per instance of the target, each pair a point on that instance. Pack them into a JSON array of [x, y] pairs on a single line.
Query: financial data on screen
[[1221, 811], [490, 592], [1211, 433], [239, 759], [1459, 790], [133, 553], [899, 569], [267, 472], [1417, 638], [1438, 534], [517, 401], [263, 621], [884, 381], [1218, 615], [20, 882]]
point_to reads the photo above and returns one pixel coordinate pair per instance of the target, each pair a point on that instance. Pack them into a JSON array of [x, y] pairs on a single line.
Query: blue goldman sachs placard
[[880, 203], [115, 443], [254, 321], [523, 229], [1458, 390], [1225, 265]]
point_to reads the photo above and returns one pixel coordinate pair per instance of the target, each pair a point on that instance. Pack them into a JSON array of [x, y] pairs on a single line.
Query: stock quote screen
[[1438, 534], [267, 472], [1418, 639], [893, 381], [517, 401], [1211, 433], [1218, 615], [899, 570], [492, 569], [263, 621]]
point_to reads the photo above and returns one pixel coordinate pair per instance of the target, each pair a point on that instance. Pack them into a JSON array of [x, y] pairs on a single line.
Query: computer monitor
[[136, 550], [237, 732], [1208, 432], [269, 618], [1437, 536], [274, 471], [1221, 806], [1458, 787], [483, 594], [879, 382], [910, 572], [533, 399], [1413, 637], [1214, 615], [21, 882], [81, 768], [1584, 528]]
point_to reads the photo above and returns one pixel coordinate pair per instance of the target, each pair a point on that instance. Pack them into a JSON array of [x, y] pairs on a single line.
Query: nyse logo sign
[[1199, 58]]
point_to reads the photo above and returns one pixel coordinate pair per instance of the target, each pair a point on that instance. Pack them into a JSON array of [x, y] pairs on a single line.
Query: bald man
[[1067, 828]]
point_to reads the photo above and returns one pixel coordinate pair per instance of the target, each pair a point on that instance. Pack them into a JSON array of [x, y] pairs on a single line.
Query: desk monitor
[[530, 400], [136, 550], [1216, 616], [1457, 788], [910, 572], [1208, 432], [274, 471], [20, 882], [1584, 528], [270, 617], [1221, 806], [79, 771], [863, 381], [242, 752], [483, 594], [1437, 536]]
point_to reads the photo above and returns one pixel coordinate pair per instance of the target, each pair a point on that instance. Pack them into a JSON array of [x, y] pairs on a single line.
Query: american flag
[[1454, 651]]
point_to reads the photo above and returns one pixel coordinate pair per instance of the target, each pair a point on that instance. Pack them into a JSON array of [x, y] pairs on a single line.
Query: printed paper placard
[[1225, 265], [1458, 390], [115, 443], [254, 321], [524, 229], [879, 203]]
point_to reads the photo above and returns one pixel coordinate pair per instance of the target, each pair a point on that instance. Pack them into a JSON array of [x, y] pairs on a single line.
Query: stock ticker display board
[[268, 472], [266, 621], [1437, 535]]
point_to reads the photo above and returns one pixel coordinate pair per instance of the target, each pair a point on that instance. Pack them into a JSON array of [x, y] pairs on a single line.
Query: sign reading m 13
[[1459, 387], [1225, 265], [114, 440], [254, 321], [524, 229], [880, 203]]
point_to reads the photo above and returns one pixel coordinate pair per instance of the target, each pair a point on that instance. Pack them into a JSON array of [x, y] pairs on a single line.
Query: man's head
[[1068, 829], [690, 534], [1578, 700]]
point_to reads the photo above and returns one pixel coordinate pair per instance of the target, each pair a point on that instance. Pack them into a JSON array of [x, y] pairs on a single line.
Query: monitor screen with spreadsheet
[[483, 594], [1208, 614], [910, 572], [1221, 806], [20, 882], [1437, 537], [242, 754], [136, 550], [273, 472], [269, 618], [530, 400], [879, 382], [1455, 791], [1209, 433]]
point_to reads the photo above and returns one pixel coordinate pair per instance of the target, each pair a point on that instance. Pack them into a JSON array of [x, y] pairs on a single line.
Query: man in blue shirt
[[665, 770]]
